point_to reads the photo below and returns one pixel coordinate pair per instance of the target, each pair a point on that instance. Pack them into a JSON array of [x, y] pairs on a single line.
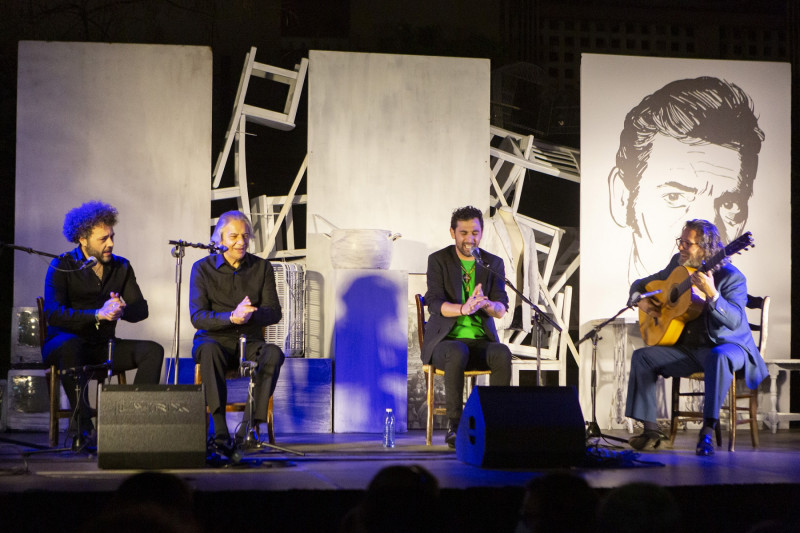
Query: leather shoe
[[649, 439], [223, 446], [705, 446], [450, 438]]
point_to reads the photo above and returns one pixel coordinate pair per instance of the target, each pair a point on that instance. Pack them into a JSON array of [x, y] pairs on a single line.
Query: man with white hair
[[233, 294]]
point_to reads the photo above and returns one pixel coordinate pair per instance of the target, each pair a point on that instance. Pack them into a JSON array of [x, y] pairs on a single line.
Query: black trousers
[[216, 355], [70, 351], [455, 356]]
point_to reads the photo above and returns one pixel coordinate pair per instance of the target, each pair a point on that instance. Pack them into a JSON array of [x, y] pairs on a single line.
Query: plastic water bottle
[[388, 429]]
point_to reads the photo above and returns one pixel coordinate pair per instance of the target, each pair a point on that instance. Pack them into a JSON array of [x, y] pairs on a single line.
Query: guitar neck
[[682, 287], [714, 262]]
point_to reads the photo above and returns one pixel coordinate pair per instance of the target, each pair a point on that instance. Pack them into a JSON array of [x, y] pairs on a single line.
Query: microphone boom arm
[[536, 309], [538, 314], [211, 247]]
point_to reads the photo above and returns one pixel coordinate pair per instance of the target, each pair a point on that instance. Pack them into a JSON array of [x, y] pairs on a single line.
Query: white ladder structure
[[515, 154], [243, 113]]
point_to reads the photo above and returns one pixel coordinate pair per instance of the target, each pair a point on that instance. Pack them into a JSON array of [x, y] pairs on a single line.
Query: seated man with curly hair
[[86, 291]]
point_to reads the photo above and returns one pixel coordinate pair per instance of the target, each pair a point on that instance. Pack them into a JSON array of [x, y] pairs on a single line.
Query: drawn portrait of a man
[[663, 141], [689, 150]]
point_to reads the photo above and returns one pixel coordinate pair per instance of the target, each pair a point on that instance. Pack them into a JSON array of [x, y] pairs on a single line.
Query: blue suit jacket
[[444, 285], [726, 319]]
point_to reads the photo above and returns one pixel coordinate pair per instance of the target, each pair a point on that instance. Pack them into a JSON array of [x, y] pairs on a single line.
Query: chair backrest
[[762, 327], [420, 300]]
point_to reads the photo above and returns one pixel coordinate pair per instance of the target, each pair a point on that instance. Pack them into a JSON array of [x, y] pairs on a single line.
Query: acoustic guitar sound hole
[[673, 295]]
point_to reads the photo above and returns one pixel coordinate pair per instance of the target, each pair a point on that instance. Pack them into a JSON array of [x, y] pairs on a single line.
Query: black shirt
[[217, 288], [71, 298]]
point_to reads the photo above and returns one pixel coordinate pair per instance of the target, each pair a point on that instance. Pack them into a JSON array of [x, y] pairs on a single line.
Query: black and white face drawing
[[665, 140], [689, 150]]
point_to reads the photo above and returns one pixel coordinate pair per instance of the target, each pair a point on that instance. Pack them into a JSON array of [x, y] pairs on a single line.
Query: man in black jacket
[[87, 290], [233, 294], [464, 297]]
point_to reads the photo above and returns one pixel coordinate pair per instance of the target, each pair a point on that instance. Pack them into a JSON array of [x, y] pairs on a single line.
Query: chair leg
[[754, 418], [429, 401], [673, 430], [55, 404], [732, 415], [676, 400], [270, 425]]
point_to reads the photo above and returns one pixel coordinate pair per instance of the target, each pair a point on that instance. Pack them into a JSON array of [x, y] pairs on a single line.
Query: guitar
[[682, 302]]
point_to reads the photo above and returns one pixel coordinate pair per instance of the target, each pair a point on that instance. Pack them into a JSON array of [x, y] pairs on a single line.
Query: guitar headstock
[[740, 244], [736, 246]]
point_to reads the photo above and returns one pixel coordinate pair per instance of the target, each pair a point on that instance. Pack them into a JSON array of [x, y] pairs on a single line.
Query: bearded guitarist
[[714, 339]]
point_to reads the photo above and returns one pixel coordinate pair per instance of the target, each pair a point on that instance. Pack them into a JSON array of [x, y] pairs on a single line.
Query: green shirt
[[467, 326]]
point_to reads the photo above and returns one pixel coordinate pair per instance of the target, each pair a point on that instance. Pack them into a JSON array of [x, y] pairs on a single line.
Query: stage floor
[[347, 463]]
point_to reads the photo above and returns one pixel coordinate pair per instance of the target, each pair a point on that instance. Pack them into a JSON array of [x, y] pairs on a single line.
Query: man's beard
[[97, 254], [692, 263]]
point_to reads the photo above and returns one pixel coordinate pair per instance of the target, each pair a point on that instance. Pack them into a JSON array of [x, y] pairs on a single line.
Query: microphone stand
[[25, 249], [39, 448], [177, 253], [593, 429], [251, 440], [539, 316]]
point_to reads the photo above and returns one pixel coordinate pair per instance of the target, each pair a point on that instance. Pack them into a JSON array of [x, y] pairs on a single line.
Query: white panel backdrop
[[396, 142], [129, 125], [610, 87]]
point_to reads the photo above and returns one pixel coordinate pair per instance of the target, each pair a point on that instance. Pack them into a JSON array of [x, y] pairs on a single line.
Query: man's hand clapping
[[113, 308], [243, 312], [475, 302]]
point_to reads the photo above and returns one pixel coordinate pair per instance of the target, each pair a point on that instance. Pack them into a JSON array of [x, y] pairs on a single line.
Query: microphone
[[246, 368], [636, 298], [92, 261], [476, 253]]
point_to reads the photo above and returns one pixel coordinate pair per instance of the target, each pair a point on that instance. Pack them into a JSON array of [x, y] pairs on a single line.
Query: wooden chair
[[430, 371], [239, 407], [54, 381], [733, 408]]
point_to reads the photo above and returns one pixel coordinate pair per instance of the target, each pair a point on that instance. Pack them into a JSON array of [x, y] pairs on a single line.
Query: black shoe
[[649, 439], [222, 446], [450, 438], [249, 439], [705, 446], [247, 442]]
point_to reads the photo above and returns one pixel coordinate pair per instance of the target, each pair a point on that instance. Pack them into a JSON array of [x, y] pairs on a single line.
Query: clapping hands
[[243, 312]]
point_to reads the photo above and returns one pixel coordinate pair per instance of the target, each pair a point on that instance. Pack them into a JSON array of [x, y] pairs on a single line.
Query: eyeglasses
[[686, 244]]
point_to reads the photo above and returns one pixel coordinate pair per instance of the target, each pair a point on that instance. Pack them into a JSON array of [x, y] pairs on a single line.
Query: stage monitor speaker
[[519, 427], [151, 427]]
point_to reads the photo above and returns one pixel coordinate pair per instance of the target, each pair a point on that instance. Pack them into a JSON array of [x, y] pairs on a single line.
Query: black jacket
[[445, 285]]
